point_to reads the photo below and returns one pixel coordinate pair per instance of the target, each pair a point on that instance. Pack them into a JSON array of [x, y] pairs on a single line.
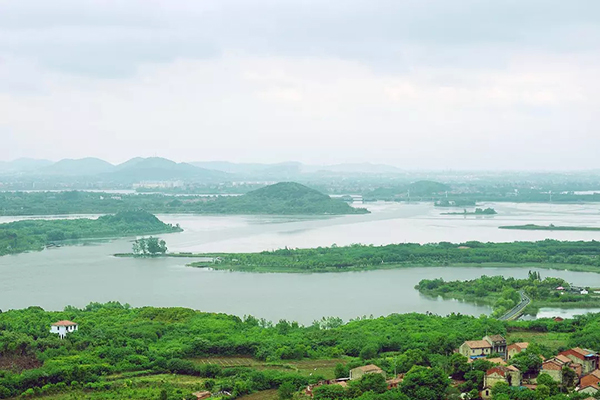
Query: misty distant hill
[[23, 165], [161, 169], [361, 168], [293, 169], [80, 167]]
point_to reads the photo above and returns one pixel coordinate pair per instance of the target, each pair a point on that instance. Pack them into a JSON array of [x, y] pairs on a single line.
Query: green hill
[[281, 198], [159, 169]]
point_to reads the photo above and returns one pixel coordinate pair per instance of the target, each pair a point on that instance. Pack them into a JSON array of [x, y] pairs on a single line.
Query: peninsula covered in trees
[[26, 235], [582, 256], [286, 198], [503, 293]]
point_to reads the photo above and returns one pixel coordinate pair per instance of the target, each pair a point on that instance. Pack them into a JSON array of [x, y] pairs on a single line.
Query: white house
[[63, 327]]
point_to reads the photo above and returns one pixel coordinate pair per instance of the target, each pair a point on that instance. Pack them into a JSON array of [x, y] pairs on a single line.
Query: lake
[[77, 275]]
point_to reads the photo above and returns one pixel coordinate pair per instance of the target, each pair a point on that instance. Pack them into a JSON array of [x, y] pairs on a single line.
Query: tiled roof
[[478, 344], [497, 338], [64, 323], [521, 345], [369, 368]]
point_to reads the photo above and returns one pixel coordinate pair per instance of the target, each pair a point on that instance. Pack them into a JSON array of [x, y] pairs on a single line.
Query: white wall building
[[63, 327]]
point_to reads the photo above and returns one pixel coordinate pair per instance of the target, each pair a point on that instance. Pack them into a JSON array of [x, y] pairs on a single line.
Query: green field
[[323, 368]]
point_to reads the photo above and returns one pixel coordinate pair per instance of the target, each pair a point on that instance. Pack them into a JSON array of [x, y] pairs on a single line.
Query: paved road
[[518, 309]]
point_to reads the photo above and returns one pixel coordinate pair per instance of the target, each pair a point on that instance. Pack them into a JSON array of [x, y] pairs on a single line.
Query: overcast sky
[[511, 84]]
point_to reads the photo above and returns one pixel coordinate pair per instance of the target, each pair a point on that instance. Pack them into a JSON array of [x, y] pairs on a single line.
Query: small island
[[551, 227], [28, 235], [478, 211]]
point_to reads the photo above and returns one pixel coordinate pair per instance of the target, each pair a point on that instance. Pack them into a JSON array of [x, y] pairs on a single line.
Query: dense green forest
[[20, 236], [167, 353], [503, 293], [547, 253], [283, 198]]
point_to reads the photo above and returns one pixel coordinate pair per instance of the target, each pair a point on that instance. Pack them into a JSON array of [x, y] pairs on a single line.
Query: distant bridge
[[517, 310]]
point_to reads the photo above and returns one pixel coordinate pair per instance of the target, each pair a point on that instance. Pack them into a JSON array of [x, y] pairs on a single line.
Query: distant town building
[[62, 328], [158, 185]]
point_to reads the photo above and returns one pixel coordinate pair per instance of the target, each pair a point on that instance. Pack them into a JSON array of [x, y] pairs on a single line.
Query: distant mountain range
[[134, 170], [161, 169]]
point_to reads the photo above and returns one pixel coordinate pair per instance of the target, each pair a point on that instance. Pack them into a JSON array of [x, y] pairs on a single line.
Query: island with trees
[[285, 198], [120, 352], [503, 293], [37, 234], [477, 211], [549, 254], [551, 227]]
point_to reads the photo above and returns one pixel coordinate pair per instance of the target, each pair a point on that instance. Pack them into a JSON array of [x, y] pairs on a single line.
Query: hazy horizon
[[419, 85]]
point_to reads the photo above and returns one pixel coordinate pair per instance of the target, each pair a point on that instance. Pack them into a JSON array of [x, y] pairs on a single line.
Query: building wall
[[589, 390], [466, 351], [63, 330], [357, 373], [587, 366], [493, 378], [556, 374]]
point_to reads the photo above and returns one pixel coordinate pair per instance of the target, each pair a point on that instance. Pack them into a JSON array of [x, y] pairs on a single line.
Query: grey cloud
[[111, 39]]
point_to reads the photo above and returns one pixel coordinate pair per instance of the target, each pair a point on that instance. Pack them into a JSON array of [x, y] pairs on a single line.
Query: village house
[[202, 395], [357, 373], [554, 367], [507, 374], [62, 328], [515, 349], [473, 349], [588, 359], [590, 384], [498, 344]]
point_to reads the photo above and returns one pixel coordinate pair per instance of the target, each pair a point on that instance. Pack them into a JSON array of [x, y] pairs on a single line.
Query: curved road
[[517, 310]]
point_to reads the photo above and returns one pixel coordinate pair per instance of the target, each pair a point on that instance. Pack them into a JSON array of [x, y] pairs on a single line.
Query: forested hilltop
[[548, 253], [284, 198], [20, 236], [120, 352]]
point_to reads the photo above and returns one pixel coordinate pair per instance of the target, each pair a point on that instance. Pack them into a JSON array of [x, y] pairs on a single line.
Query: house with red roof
[[590, 384], [515, 349], [588, 359], [62, 328], [554, 367]]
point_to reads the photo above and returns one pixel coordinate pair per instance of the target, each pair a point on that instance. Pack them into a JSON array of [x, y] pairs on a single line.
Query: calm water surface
[[81, 274]]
